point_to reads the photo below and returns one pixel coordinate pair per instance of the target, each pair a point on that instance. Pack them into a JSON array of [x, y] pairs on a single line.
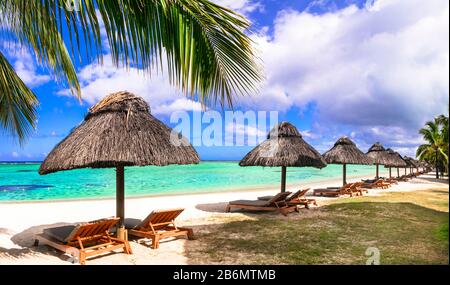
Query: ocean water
[[21, 182]]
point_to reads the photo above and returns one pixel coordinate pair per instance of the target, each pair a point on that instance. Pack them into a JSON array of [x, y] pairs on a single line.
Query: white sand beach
[[19, 222]]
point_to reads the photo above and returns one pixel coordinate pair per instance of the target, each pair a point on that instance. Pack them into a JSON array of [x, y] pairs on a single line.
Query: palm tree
[[206, 50], [443, 121], [434, 151]]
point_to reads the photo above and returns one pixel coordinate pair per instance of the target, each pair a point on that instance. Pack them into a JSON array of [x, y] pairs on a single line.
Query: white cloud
[[385, 65], [97, 81], [309, 134], [241, 6], [14, 154], [181, 104], [24, 65], [244, 129]]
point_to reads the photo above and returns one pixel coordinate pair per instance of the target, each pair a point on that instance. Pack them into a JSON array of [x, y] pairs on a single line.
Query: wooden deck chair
[[339, 187], [357, 188], [276, 203], [84, 240], [332, 192], [296, 198], [377, 184], [158, 225], [391, 180]]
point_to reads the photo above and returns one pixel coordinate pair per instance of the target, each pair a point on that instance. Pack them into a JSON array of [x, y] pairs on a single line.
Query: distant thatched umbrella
[[410, 163], [117, 132], [423, 165], [396, 160], [345, 152], [379, 155], [284, 147], [417, 163]]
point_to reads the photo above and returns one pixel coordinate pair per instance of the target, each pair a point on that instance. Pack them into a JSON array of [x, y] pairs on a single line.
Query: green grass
[[405, 227]]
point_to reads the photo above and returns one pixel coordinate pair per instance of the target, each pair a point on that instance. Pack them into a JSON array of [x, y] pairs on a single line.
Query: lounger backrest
[[355, 185], [160, 218], [346, 189], [297, 195], [91, 229], [278, 198]]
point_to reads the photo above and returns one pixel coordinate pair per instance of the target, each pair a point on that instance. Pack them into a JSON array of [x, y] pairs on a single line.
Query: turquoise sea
[[21, 181]]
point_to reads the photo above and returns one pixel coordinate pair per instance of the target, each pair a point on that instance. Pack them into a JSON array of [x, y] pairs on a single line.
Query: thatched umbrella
[[410, 163], [119, 131], [379, 155], [423, 165], [402, 164], [345, 152], [417, 164], [396, 160], [284, 147]]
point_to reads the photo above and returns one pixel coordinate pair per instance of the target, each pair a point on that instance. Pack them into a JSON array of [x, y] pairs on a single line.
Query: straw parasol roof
[[118, 131], [378, 154], [345, 151], [284, 147], [410, 161], [396, 159]]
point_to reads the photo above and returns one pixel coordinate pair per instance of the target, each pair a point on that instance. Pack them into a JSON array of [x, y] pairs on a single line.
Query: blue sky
[[372, 70]]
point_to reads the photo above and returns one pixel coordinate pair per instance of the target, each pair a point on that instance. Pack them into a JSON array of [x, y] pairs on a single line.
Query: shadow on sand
[[431, 179]]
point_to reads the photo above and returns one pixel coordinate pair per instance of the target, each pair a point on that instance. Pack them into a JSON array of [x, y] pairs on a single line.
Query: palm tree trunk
[[283, 179], [344, 174], [437, 166], [120, 194]]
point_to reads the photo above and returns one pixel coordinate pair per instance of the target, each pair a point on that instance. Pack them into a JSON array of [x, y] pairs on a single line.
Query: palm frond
[[17, 102], [422, 151], [206, 49], [34, 25], [428, 135]]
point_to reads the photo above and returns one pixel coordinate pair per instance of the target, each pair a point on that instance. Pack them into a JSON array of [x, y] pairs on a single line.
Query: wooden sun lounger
[[403, 178], [276, 203], [158, 225], [377, 184], [357, 188], [334, 192], [391, 181], [84, 240], [297, 198], [353, 187]]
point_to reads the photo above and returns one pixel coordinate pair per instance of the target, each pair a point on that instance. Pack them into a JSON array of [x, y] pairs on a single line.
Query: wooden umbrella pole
[[390, 173], [120, 194], [377, 172], [344, 173], [398, 172], [283, 179]]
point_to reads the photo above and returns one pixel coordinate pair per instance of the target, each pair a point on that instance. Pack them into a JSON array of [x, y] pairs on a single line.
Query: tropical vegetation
[[436, 148], [202, 46]]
